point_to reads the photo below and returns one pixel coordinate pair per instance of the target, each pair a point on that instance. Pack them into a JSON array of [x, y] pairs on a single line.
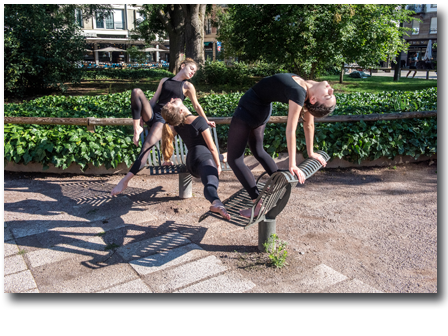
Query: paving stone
[[32, 227], [93, 281], [351, 286], [92, 247], [10, 248], [14, 264], [7, 234], [225, 283], [318, 278], [150, 246], [19, 282], [184, 275], [135, 286], [163, 260]]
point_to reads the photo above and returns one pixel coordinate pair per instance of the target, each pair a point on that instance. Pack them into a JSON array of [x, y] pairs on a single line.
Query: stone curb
[[251, 162]]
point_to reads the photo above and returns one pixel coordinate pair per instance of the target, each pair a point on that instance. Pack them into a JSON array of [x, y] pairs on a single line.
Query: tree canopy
[[308, 37], [42, 45]]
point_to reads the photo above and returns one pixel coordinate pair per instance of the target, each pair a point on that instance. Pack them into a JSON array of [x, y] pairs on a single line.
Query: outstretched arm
[[308, 128], [291, 128], [191, 93], [156, 96]]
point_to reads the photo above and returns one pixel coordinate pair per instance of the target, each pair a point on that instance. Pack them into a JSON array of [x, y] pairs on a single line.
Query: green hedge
[[109, 145], [239, 73], [127, 73]]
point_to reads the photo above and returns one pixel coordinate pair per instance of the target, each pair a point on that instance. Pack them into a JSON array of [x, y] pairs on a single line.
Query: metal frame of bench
[[274, 194], [179, 159]]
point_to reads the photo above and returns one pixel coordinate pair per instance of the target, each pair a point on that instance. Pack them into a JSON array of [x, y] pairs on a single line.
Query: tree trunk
[[194, 31], [173, 20], [341, 74]]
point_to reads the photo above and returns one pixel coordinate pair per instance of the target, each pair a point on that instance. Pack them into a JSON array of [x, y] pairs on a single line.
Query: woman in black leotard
[[305, 98], [148, 112], [202, 158]]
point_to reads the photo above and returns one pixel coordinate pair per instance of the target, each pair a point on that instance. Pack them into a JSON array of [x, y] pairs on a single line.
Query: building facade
[[115, 31], [423, 32]]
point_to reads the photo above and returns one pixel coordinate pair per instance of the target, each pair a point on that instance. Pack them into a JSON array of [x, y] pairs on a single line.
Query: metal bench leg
[[265, 229], [185, 185]]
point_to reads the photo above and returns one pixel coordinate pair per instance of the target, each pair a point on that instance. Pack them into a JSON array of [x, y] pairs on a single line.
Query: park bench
[[274, 195], [179, 159]]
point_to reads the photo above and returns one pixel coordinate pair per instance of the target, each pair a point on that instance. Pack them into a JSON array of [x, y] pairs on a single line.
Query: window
[[434, 6], [78, 18], [433, 27], [415, 27], [208, 27], [113, 21]]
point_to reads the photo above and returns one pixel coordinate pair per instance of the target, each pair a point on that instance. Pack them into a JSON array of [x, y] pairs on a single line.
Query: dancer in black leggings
[[148, 112], [202, 158], [305, 98]]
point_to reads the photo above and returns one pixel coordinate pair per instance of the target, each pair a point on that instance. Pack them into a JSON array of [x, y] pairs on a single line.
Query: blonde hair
[[187, 61], [173, 117]]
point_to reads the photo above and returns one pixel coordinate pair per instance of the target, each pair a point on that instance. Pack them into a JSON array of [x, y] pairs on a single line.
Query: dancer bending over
[[148, 112], [202, 158], [304, 97]]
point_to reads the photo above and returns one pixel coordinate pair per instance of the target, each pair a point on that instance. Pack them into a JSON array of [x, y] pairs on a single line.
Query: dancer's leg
[[256, 137], [140, 107], [238, 137], [209, 176], [154, 135]]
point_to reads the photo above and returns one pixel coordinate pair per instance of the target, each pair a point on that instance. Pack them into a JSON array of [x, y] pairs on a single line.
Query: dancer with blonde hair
[[148, 112], [203, 160]]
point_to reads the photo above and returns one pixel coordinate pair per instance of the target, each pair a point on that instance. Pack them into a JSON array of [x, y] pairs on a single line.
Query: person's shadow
[[80, 217]]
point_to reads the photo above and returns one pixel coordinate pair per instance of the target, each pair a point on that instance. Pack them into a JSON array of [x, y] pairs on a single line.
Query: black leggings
[[140, 107], [241, 134], [208, 172]]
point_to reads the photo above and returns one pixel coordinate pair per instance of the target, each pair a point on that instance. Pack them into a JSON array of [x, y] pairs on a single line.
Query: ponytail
[[167, 142]]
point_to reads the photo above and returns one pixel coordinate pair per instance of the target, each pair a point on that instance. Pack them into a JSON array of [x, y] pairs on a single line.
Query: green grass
[[377, 84]]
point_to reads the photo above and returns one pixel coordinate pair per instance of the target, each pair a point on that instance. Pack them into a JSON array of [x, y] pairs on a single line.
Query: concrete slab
[[135, 286], [150, 246], [94, 281], [92, 247], [35, 226], [10, 248], [184, 275], [318, 278], [226, 283], [19, 282], [14, 264], [166, 259], [31, 291], [351, 286]]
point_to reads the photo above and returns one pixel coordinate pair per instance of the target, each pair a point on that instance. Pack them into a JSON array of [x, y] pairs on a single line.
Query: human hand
[[219, 169], [211, 123], [297, 172], [319, 158]]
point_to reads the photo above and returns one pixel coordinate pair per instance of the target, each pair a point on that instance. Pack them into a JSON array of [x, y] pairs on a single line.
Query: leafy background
[[111, 145]]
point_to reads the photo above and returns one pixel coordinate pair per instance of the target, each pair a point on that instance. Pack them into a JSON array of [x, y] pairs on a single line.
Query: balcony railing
[[417, 8]]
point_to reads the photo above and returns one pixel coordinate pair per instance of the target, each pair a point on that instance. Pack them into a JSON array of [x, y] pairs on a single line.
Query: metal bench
[[274, 195], [179, 159]]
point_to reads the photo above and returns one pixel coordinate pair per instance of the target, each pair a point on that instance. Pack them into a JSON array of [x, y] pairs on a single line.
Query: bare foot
[[167, 163], [122, 185], [218, 207], [137, 133], [224, 157], [247, 212]]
